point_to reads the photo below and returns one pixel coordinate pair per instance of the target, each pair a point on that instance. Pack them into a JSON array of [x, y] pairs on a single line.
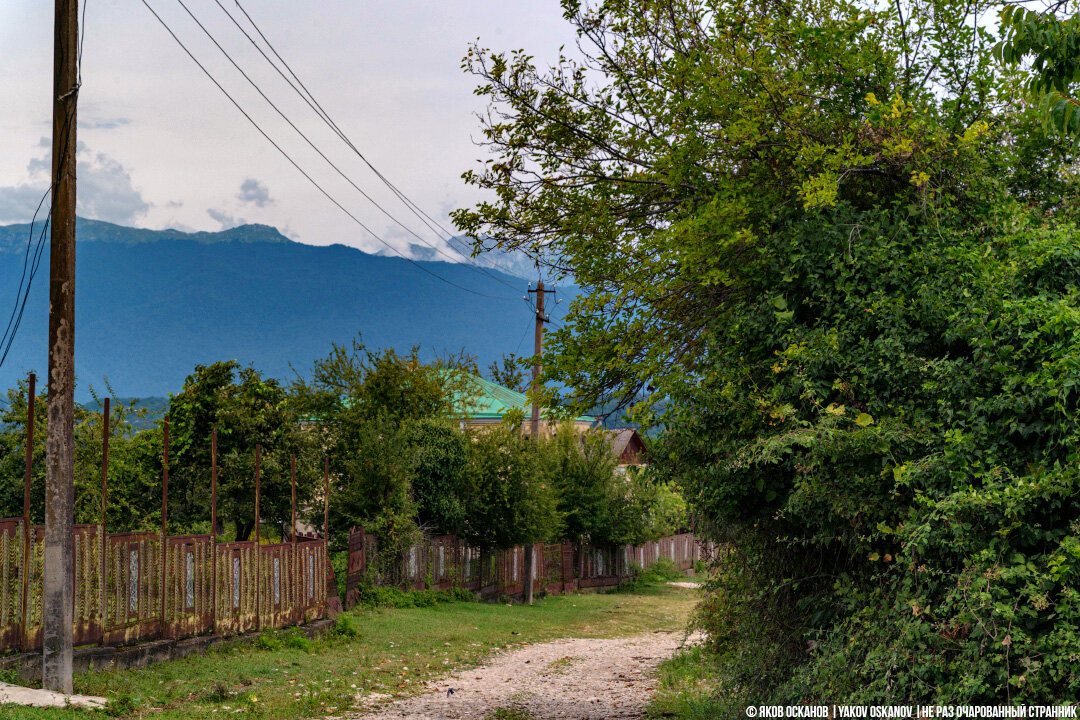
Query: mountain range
[[151, 304]]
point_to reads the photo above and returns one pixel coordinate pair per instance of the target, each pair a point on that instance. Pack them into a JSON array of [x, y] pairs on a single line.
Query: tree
[[511, 502], [438, 455], [134, 465], [246, 410], [813, 228], [361, 404], [509, 373]]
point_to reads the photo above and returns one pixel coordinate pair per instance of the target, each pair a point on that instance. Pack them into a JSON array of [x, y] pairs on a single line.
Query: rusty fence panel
[[132, 587], [189, 590], [278, 585], [445, 562], [11, 559], [88, 627], [551, 581], [313, 562], [235, 611]]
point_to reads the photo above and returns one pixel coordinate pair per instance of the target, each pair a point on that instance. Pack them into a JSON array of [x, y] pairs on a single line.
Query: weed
[[347, 626], [267, 640], [512, 712], [562, 665]]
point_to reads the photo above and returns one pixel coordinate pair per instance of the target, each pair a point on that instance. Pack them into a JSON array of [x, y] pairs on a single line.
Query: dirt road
[[579, 679]]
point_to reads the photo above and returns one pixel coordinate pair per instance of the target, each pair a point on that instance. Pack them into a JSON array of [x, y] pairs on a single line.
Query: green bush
[[380, 596], [268, 640], [661, 571], [296, 639], [347, 626]]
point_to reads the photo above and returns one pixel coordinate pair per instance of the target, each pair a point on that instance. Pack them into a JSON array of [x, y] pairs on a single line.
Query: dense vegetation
[[401, 462], [839, 243]]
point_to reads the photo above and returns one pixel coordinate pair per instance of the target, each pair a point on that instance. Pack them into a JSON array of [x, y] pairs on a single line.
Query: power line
[[299, 169], [306, 95], [32, 263], [308, 140]]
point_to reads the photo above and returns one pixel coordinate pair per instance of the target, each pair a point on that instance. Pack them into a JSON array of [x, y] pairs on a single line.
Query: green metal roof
[[488, 401]]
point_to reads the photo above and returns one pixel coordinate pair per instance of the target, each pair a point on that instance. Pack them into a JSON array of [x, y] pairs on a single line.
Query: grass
[[511, 713], [385, 650], [689, 688]]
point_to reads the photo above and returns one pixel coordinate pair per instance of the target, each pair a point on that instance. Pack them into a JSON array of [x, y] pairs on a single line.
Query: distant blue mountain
[[150, 305]]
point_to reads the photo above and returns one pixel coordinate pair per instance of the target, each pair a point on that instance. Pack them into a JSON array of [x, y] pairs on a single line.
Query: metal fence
[[444, 562], [203, 587], [134, 586]]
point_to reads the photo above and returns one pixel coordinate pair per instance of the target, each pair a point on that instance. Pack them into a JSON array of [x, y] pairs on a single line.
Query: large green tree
[[362, 403], [246, 410], [828, 235]]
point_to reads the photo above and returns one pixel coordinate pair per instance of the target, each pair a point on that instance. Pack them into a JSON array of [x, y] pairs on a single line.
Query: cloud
[[105, 191], [18, 202], [253, 191], [225, 218], [103, 123]]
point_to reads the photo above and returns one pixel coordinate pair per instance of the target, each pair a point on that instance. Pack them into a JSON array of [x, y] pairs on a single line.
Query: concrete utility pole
[[534, 425], [59, 438]]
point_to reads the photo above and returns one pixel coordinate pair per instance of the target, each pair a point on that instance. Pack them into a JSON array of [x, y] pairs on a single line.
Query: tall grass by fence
[[444, 562]]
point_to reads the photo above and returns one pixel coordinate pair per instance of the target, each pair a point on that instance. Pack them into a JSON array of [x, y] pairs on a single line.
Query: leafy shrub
[[347, 626], [296, 639], [383, 596], [268, 640]]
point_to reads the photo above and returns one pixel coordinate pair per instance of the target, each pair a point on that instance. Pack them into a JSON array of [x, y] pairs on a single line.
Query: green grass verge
[[689, 688], [386, 650]]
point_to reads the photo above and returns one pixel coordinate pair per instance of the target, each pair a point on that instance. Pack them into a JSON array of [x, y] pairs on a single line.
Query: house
[[482, 402], [629, 447]]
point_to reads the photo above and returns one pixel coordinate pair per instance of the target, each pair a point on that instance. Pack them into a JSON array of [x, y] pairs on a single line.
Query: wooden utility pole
[[534, 425], [57, 608], [538, 348]]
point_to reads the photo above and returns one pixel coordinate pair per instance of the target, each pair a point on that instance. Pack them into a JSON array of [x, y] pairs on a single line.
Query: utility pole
[[59, 438], [538, 348], [534, 425]]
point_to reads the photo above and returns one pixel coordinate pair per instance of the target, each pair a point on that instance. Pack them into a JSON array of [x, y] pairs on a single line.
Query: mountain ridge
[[152, 304]]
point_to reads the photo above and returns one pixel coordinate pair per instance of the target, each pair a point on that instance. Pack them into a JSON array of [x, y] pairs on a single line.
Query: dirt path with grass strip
[[582, 679]]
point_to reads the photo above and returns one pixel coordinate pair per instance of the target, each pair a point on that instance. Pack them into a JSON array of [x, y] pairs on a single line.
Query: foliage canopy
[[829, 237]]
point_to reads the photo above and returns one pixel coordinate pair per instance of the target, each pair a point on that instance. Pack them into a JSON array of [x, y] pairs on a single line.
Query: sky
[[161, 147]]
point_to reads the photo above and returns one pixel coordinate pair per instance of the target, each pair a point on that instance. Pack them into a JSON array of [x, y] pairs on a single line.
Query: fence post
[[213, 529], [104, 514], [326, 504], [294, 564], [258, 550], [164, 524], [31, 397]]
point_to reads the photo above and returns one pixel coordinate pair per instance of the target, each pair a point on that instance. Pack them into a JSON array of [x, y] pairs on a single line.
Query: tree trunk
[[528, 589], [244, 528]]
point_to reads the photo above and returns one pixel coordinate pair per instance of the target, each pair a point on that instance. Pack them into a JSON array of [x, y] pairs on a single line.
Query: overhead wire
[[299, 169], [31, 263], [308, 140], [307, 96]]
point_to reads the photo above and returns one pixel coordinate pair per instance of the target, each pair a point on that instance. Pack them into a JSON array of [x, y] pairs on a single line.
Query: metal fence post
[[104, 514], [164, 523], [213, 529], [258, 551], [31, 397]]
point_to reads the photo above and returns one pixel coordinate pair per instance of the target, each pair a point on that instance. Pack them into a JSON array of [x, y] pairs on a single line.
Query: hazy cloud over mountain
[[253, 191], [225, 218], [105, 193]]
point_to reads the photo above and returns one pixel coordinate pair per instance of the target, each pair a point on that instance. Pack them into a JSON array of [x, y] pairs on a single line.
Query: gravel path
[[578, 679]]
